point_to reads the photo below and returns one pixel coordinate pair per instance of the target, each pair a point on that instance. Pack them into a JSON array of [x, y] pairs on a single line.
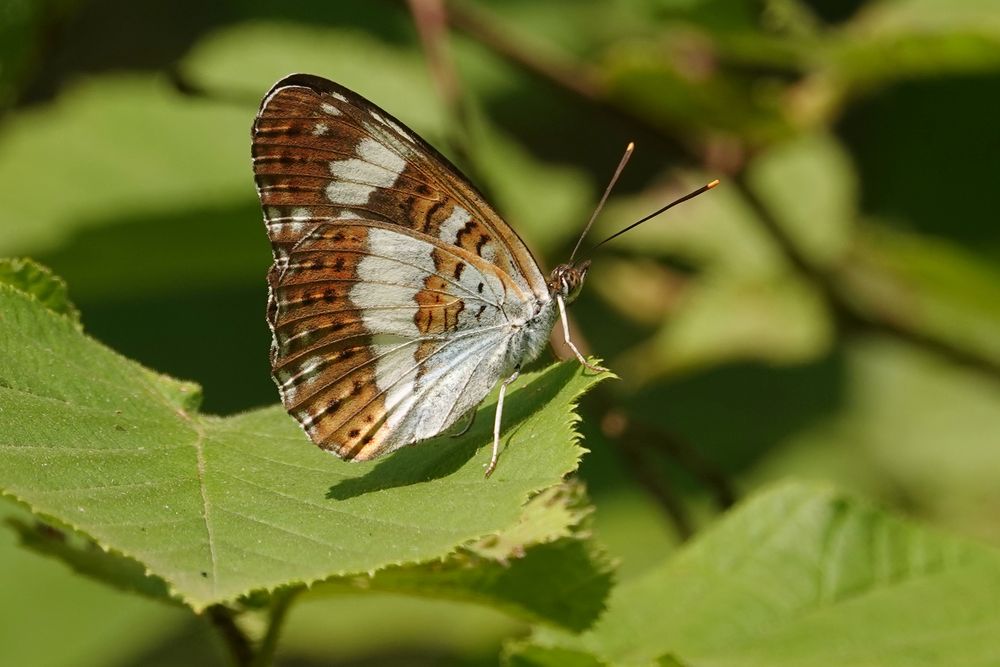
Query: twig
[[551, 67], [848, 313], [223, 619], [690, 459], [431, 20], [242, 649], [581, 81], [617, 427], [280, 604]]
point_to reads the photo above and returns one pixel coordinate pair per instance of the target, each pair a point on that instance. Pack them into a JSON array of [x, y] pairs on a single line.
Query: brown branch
[[582, 82], [551, 66], [690, 459], [616, 426], [431, 20]]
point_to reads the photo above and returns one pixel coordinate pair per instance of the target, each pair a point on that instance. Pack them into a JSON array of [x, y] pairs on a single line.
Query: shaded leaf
[[61, 618], [527, 654], [562, 583], [808, 185], [87, 558], [933, 286], [125, 145], [741, 301], [553, 514]]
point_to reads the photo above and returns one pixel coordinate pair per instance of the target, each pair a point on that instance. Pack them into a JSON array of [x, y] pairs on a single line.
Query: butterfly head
[[567, 279]]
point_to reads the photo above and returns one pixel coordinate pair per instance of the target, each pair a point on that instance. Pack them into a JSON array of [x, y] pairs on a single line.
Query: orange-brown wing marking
[[358, 306], [321, 151]]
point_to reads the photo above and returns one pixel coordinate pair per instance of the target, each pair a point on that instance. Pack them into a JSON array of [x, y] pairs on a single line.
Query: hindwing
[[394, 284]]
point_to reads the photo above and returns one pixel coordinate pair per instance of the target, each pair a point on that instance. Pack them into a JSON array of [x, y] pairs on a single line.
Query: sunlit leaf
[[221, 507], [36, 280], [803, 575]]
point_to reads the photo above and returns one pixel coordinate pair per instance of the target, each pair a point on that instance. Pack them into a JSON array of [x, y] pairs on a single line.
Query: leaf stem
[[282, 602], [223, 619], [241, 647]]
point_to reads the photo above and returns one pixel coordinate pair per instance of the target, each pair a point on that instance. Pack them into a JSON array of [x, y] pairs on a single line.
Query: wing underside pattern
[[394, 285]]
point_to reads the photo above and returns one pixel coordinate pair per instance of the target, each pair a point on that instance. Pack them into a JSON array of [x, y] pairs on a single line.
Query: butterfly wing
[[321, 151], [394, 284]]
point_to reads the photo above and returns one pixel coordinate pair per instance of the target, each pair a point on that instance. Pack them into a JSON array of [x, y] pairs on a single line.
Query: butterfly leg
[[491, 466], [565, 328], [468, 425]]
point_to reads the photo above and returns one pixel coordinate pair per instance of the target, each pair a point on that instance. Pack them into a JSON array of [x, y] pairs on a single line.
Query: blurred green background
[[831, 311]]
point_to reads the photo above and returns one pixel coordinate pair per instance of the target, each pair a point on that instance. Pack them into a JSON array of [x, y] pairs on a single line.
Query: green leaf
[[525, 654], [49, 289], [553, 514], [125, 145], [904, 39], [220, 507], [803, 575], [744, 302], [89, 559], [562, 583], [674, 83], [780, 320], [809, 186], [935, 287], [893, 421], [55, 617], [506, 569]]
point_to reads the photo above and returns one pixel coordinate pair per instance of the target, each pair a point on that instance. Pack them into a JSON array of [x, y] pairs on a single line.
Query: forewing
[[322, 152]]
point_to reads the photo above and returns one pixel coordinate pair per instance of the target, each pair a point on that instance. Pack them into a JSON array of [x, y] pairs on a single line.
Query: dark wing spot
[[483, 240], [479, 288], [458, 270], [432, 211], [480, 311], [353, 433]]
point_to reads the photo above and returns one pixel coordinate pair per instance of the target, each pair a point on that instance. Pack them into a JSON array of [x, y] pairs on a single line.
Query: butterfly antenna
[[604, 197], [690, 195]]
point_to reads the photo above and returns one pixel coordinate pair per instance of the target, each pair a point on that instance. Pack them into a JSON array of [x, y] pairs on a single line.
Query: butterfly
[[398, 298]]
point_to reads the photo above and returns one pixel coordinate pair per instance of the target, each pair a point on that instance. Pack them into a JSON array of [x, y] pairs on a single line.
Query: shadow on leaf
[[444, 456]]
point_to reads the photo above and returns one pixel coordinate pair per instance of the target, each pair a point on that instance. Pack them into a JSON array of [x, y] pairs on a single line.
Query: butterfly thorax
[[530, 336]]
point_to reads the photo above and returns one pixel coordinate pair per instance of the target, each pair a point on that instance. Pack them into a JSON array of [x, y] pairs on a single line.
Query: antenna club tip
[[630, 147], [712, 184]]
